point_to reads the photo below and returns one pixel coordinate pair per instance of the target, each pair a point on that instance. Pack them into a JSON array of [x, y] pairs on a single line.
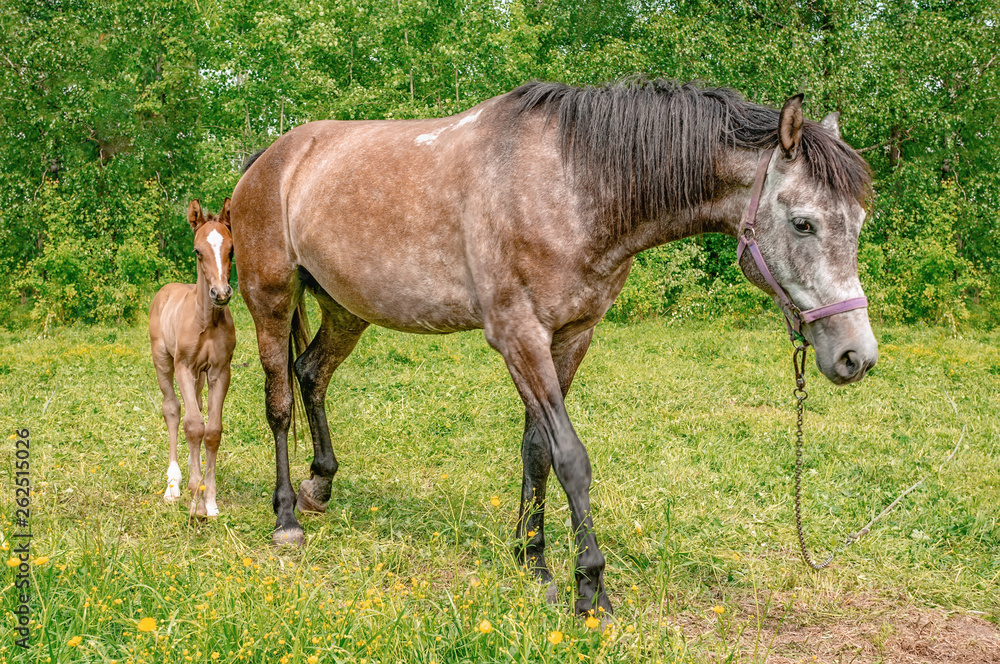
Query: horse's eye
[[802, 225], [197, 252]]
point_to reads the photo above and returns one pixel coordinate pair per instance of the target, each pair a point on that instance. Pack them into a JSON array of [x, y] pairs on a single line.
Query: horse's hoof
[[305, 502], [288, 537], [172, 494], [552, 593]]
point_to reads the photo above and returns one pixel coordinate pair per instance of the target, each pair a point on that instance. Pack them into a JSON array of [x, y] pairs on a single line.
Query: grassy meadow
[[689, 429]]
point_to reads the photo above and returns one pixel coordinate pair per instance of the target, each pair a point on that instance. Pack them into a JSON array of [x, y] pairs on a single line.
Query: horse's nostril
[[849, 364]]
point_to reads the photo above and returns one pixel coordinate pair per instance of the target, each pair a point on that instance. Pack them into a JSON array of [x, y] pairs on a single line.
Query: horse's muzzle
[[221, 297]]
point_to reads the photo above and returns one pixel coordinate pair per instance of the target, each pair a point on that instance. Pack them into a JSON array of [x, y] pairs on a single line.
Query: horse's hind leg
[[171, 409], [537, 462], [334, 341], [271, 308]]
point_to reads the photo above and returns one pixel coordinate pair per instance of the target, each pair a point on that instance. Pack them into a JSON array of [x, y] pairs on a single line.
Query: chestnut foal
[[192, 337]]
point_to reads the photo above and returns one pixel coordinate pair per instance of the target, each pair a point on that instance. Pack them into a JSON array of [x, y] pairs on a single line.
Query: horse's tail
[[298, 341]]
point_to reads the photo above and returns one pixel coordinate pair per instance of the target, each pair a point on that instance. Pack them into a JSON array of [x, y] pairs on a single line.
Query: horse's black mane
[[650, 146]]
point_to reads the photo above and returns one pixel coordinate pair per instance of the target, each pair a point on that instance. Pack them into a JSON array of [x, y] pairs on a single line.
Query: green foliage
[[180, 93], [95, 265]]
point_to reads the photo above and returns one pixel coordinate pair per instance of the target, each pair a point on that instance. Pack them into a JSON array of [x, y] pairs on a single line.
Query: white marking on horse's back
[[469, 119], [215, 239], [431, 137]]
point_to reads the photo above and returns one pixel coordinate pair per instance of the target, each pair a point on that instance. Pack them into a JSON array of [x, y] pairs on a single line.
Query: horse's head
[[213, 244], [810, 214]]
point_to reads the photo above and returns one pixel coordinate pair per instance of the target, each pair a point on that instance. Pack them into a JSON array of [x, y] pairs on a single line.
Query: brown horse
[[521, 216], [192, 337]]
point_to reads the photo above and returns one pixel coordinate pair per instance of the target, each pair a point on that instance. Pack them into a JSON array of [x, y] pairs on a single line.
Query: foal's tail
[[298, 341]]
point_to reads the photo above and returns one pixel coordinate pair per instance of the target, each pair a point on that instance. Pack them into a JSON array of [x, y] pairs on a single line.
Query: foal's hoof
[[306, 501], [288, 537], [172, 494]]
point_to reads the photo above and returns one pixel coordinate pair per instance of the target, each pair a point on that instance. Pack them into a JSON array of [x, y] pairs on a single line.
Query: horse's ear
[[196, 216], [790, 126], [224, 214], [832, 123]]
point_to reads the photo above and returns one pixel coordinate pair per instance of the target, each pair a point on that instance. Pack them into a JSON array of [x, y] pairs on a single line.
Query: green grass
[[689, 431]]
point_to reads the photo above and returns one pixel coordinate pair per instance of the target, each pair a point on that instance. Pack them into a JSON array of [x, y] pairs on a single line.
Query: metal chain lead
[[799, 362]]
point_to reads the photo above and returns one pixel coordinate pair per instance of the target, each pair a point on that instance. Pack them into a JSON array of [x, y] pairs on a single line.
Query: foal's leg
[[217, 389], [525, 346], [194, 431], [537, 461], [171, 409], [334, 341]]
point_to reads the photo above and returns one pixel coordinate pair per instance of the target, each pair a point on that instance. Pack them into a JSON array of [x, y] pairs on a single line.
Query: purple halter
[[748, 240]]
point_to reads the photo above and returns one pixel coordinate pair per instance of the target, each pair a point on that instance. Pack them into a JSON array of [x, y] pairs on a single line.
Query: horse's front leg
[[526, 348], [536, 458], [194, 430], [218, 386]]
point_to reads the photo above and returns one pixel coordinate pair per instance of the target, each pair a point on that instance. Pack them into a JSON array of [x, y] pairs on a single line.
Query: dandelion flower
[[495, 501], [146, 625], [312, 659], [40, 560], [13, 562], [592, 622], [556, 637], [247, 562], [485, 627], [374, 508], [75, 641], [215, 655], [719, 609]]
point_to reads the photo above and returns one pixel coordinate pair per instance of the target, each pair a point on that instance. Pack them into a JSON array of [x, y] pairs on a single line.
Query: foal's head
[[213, 244], [810, 215]]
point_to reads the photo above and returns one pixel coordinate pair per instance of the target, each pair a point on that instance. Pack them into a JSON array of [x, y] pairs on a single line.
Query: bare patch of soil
[[859, 630]]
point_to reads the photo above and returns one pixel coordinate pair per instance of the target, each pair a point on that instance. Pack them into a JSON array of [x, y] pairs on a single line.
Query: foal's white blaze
[[215, 239]]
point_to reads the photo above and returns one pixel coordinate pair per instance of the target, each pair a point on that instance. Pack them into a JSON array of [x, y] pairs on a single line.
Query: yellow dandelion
[[40, 560], [247, 562], [374, 508], [13, 562], [531, 533], [630, 629], [215, 655], [719, 609], [75, 641], [284, 660], [555, 638], [315, 640], [436, 534], [495, 501], [146, 625], [312, 659], [485, 627], [592, 622], [444, 476]]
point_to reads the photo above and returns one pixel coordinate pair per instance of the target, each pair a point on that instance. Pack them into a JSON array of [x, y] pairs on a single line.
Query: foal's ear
[[196, 216], [832, 123], [224, 215], [790, 126]]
